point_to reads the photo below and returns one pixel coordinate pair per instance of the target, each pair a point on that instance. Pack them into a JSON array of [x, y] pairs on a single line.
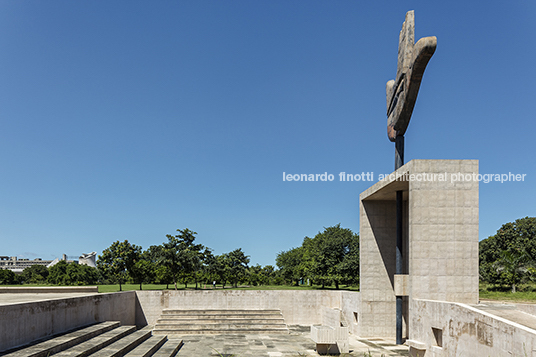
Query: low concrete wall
[[49, 289], [23, 323], [351, 310], [465, 331], [26, 322], [297, 307]]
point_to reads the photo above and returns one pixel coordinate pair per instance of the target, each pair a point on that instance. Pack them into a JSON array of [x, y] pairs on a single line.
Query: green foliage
[[291, 264], [181, 256], [63, 273], [118, 260], [508, 257], [35, 274], [143, 271], [7, 277], [236, 264], [332, 256]]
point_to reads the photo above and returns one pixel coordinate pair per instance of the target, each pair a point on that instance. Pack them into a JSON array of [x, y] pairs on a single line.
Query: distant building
[[88, 259], [17, 265]]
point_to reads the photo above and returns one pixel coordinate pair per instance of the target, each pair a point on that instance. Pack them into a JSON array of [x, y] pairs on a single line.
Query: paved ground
[[8, 298], [296, 344]]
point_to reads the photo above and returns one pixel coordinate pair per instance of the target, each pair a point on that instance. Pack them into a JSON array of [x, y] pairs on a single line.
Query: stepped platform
[[220, 321], [64, 341], [106, 339]]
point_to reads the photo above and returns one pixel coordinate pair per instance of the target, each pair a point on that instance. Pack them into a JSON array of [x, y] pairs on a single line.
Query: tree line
[[330, 257], [508, 258]]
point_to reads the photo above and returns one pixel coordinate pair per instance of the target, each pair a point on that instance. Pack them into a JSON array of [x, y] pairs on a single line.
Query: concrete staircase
[[223, 321], [106, 339]]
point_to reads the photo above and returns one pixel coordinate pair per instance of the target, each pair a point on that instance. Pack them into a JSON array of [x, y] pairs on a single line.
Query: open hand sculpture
[[402, 91]]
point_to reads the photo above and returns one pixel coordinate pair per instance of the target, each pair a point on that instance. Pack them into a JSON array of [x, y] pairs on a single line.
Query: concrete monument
[[402, 91]]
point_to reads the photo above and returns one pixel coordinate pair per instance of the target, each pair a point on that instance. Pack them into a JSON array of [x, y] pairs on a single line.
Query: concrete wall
[[440, 242], [49, 289], [443, 229], [351, 310], [297, 307], [25, 322], [466, 331]]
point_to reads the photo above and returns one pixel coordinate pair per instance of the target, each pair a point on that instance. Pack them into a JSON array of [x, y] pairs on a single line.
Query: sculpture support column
[[401, 94], [399, 161]]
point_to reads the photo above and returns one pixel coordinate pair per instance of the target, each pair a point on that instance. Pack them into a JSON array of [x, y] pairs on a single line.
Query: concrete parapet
[[444, 329], [48, 289]]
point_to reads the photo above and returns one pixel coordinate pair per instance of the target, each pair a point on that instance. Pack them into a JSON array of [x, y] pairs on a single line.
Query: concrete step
[[170, 348], [220, 312], [124, 345], [220, 321], [220, 326], [180, 332], [217, 320], [65, 341], [148, 347], [98, 342]]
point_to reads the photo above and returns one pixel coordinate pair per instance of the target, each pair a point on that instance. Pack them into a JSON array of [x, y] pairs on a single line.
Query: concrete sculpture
[[402, 91]]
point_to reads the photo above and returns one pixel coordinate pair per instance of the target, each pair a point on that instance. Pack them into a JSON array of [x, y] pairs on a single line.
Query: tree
[[255, 275], [143, 271], [290, 264], [237, 264], [181, 256], [334, 254], [223, 269], [268, 275], [64, 273], [155, 254], [35, 274], [513, 265], [513, 237], [118, 260], [7, 277]]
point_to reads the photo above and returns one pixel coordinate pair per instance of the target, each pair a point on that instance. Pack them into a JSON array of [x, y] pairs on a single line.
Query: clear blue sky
[[131, 119]]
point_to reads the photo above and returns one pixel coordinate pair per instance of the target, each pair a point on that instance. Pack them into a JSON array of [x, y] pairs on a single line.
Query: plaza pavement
[[297, 343]]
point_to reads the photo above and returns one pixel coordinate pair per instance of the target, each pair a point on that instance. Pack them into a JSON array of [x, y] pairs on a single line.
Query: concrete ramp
[[509, 312]]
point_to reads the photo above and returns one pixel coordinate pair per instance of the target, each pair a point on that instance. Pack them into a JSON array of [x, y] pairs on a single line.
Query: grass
[[525, 293]]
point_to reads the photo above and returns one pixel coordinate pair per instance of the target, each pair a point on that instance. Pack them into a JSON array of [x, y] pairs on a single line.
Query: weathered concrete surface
[[509, 312], [25, 322], [466, 331], [402, 91], [49, 289], [10, 298], [440, 240], [297, 307], [298, 343]]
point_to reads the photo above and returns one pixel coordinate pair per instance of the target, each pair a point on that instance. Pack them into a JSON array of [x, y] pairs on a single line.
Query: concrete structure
[[17, 265], [440, 240], [438, 328], [308, 307], [22, 323], [402, 91], [88, 259]]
